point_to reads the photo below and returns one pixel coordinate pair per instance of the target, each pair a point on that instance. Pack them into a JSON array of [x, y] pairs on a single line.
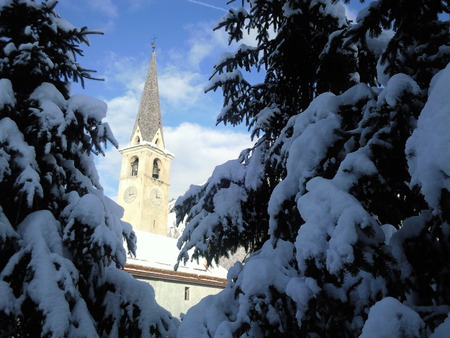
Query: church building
[[145, 172], [144, 194]]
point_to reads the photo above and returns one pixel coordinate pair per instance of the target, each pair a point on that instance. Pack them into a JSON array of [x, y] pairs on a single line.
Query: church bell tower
[[145, 172]]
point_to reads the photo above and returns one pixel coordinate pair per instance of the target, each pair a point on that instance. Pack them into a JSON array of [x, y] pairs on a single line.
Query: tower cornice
[[147, 145]]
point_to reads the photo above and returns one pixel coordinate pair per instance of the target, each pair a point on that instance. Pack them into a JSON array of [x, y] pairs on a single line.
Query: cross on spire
[[153, 42]]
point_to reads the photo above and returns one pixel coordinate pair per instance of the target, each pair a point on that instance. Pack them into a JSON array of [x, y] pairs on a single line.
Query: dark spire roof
[[149, 114]]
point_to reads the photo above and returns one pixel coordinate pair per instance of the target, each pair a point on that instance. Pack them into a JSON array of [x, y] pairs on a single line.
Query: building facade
[[144, 195], [179, 290]]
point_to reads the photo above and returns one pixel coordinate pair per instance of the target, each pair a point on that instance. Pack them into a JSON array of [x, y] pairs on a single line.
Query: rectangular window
[[186, 293]]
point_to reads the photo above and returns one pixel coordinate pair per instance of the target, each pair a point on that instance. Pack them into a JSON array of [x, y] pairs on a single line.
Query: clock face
[[156, 196], [130, 194]]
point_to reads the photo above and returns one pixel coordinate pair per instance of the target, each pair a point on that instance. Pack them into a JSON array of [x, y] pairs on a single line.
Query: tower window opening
[[156, 168], [187, 293], [134, 166], [137, 140]]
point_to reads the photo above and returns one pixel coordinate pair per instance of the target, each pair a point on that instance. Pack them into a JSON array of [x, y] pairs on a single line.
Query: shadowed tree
[[61, 239], [341, 205]]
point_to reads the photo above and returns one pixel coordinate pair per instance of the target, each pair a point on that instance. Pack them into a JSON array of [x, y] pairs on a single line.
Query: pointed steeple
[[148, 120]]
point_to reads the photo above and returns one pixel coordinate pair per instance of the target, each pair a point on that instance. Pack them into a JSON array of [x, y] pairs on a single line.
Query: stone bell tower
[[145, 172]]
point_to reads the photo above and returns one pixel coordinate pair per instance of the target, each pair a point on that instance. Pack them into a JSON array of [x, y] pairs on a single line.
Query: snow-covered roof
[[159, 253]]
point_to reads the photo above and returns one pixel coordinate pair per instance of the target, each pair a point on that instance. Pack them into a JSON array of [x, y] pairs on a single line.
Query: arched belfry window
[[134, 166], [156, 168]]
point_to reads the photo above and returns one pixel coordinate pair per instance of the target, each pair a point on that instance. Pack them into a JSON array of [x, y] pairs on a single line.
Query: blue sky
[[187, 48]]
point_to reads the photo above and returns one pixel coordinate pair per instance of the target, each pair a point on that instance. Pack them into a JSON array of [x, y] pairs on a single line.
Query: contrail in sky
[[207, 5]]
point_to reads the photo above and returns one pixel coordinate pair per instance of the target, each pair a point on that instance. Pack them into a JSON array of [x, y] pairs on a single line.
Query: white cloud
[[128, 72], [121, 116], [198, 150], [108, 168], [180, 87], [205, 43]]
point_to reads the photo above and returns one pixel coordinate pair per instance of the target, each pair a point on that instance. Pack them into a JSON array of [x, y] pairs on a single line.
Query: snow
[[213, 322], [89, 211], [8, 302], [226, 205], [442, 331], [161, 252], [411, 228], [90, 107], [6, 230], [55, 278], [225, 57], [265, 267], [220, 79], [334, 9], [390, 318], [47, 92], [354, 77], [140, 294], [63, 236], [428, 148], [28, 181], [9, 48], [265, 116], [5, 3], [334, 219], [57, 114], [331, 224], [377, 45], [64, 25], [50, 114], [306, 150], [388, 230], [382, 77], [7, 97], [329, 212], [356, 164], [221, 314], [363, 13], [302, 290], [396, 85], [255, 168]]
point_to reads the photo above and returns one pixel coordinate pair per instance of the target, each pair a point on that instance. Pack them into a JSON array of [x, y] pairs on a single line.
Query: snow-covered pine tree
[[289, 60], [357, 215], [61, 239]]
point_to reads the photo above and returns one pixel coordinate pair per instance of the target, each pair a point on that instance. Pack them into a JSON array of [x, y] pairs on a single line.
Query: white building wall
[[171, 295]]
